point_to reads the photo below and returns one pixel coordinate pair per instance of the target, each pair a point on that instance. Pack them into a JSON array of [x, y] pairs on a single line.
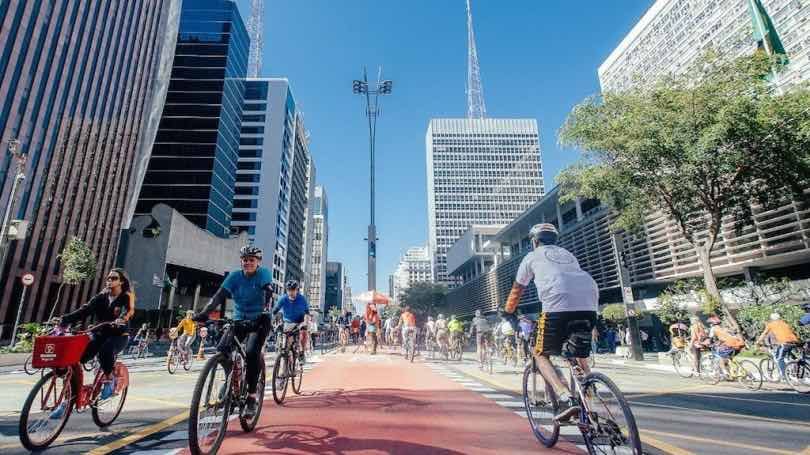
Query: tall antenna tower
[[475, 93], [254, 28]]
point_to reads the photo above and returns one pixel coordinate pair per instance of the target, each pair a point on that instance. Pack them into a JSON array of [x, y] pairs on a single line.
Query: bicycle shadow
[[324, 440], [385, 400]]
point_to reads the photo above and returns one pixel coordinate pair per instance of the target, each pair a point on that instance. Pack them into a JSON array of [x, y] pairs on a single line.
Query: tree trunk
[[58, 297], [704, 252]]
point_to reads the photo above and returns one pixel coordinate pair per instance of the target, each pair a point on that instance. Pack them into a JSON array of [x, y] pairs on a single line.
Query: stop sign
[[28, 279]]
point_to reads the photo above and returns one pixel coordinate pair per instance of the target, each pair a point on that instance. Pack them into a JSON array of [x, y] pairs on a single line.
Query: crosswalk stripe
[[157, 452], [496, 396], [480, 389], [510, 404]]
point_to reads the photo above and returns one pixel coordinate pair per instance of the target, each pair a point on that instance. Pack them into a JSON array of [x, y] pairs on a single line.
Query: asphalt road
[[357, 403]]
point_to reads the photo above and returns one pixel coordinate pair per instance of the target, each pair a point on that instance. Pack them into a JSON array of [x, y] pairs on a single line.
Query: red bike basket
[[58, 352]]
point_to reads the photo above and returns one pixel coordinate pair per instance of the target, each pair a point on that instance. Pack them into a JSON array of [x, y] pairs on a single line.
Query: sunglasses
[[113, 278]]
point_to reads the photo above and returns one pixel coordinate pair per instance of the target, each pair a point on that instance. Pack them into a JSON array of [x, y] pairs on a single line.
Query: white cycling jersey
[[561, 284]]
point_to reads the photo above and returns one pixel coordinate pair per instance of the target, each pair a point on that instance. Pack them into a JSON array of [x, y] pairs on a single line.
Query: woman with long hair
[[115, 304], [373, 324]]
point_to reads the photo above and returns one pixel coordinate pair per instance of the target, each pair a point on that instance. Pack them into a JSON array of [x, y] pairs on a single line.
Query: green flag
[[764, 31]]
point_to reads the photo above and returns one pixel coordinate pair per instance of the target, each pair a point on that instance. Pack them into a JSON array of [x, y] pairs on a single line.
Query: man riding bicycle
[[343, 322], [251, 290], [441, 331], [784, 338], [727, 344], [294, 309], [407, 322], [483, 333], [187, 329], [456, 330], [569, 299]]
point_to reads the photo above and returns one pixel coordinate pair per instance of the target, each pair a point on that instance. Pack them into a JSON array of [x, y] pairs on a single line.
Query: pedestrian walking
[[373, 323]]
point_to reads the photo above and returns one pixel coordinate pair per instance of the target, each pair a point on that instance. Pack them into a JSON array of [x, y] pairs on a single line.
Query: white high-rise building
[[479, 171], [265, 178], [318, 257], [673, 33], [415, 266]]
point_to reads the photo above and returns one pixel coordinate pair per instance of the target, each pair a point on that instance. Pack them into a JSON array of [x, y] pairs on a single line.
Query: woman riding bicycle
[[251, 290], [187, 329], [373, 324], [115, 304]]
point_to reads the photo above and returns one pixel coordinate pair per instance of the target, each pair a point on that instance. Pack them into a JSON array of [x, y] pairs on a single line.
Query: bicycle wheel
[[540, 403], [709, 369], [297, 378], [172, 362], [210, 407], [106, 411], [249, 425], [29, 369], [682, 364], [797, 374], [188, 361], [769, 370], [90, 365], [37, 428], [611, 426], [280, 379], [748, 374]]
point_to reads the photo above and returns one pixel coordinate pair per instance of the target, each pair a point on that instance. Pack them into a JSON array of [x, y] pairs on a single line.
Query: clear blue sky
[[538, 59]]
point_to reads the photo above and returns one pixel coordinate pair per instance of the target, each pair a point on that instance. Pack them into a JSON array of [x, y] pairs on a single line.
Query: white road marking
[[510, 404], [176, 436]]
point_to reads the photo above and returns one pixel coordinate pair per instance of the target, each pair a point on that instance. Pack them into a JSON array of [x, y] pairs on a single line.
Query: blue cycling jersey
[[292, 310], [247, 292]]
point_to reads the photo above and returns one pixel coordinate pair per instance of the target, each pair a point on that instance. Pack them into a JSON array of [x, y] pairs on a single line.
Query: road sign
[[28, 279]]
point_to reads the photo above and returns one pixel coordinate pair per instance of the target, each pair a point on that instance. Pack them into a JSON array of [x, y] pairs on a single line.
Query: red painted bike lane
[[361, 404]]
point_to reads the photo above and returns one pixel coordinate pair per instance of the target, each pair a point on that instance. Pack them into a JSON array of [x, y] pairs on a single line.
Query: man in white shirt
[[569, 298]]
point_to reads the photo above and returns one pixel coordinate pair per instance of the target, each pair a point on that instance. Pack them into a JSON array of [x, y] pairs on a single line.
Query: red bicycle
[[61, 390]]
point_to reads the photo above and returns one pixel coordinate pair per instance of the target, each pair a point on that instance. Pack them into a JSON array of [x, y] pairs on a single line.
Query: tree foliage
[[699, 147], [615, 314], [78, 264], [425, 299], [334, 313]]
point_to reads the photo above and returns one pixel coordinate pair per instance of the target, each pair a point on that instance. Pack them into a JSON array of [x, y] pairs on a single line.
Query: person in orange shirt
[[784, 339]]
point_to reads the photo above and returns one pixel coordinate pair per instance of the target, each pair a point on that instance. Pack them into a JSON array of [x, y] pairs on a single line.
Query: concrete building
[[320, 246], [194, 158], [473, 253], [301, 180], [334, 286], [82, 86], [479, 172], [673, 33], [415, 266]]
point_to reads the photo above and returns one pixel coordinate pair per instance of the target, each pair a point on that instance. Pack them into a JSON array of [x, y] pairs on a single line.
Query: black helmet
[[250, 251], [292, 284]]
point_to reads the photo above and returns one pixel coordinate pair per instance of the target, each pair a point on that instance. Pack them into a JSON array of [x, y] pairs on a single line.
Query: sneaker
[[108, 389], [59, 411], [251, 407]]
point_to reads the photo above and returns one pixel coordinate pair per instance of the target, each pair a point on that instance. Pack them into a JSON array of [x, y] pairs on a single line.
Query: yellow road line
[[727, 414], [661, 445], [719, 442], [138, 435]]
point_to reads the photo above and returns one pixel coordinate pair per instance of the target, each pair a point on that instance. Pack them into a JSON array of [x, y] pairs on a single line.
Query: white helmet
[[775, 316], [545, 232]]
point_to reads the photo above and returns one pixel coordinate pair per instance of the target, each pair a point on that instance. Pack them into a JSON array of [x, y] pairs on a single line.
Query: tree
[[758, 299], [702, 148], [615, 314], [334, 313], [425, 299], [672, 303], [79, 264]]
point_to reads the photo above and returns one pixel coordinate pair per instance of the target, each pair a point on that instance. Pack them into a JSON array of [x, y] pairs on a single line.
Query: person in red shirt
[[355, 329]]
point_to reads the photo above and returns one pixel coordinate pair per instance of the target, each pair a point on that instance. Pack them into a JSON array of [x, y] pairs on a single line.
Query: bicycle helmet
[[545, 233], [713, 320], [292, 284], [775, 316], [250, 251]]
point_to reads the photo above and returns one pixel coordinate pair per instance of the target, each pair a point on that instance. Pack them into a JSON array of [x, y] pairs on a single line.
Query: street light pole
[[382, 87], [13, 149]]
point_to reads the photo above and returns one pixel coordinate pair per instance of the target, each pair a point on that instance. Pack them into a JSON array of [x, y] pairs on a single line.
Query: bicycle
[[139, 350], [797, 372], [745, 372], [344, 338], [214, 400], [769, 367], [177, 356], [683, 361], [409, 343], [605, 419], [61, 390], [288, 367], [456, 349], [508, 351], [485, 361]]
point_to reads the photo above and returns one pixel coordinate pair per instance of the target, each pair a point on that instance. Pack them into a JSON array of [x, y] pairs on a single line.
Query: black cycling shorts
[[555, 329]]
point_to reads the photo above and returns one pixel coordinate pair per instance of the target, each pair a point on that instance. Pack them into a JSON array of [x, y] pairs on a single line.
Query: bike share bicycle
[[222, 388], [61, 390]]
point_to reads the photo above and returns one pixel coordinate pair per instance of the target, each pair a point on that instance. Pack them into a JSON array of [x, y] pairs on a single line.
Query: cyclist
[[373, 323], [483, 332], [142, 335], [569, 299], [805, 320], [506, 331], [294, 308], [678, 332], [727, 345], [698, 340], [784, 339], [407, 322], [430, 331], [251, 288], [344, 320], [455, 329], [526, 328], [116, 304], [188, 333], [441, 331]]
